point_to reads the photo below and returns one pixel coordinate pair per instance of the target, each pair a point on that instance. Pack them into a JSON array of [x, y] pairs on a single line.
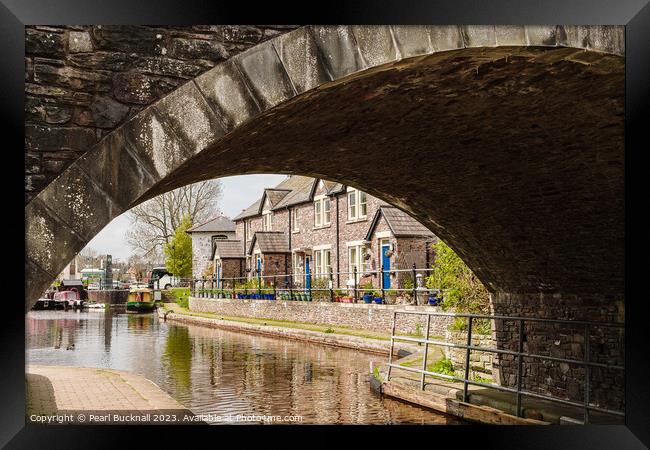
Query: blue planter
[[367, 298], [433, 300], [378, 300]]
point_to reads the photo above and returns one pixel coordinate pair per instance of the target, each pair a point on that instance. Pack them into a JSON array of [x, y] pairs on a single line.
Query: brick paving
[[58, 390]]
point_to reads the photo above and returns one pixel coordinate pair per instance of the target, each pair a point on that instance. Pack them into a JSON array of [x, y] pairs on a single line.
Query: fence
[[519, 354], [307, 287]]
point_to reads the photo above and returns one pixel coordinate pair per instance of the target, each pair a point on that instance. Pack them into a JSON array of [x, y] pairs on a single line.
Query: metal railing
[[519, 354], [322, 286]]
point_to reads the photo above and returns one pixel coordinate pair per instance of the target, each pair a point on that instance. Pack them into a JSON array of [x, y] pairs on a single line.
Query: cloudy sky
[[238, 193]]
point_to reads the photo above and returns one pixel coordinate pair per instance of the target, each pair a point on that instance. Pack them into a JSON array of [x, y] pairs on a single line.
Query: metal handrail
[[520, 354], [304, 282]]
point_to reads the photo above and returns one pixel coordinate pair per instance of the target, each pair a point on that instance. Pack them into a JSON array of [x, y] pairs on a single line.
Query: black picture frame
[[634, 14]]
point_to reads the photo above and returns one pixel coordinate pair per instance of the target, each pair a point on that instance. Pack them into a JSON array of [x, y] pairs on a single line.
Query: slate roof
[[270, 242], [220, 223], [400, 223], [302, 189], [275, 195], [295, 189], [227, 248], [292, 191]]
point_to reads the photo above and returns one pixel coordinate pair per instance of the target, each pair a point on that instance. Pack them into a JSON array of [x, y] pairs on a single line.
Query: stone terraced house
[[204, 235], [312, 226]]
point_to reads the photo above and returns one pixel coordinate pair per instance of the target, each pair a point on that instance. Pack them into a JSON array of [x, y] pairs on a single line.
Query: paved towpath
[[99, 395]]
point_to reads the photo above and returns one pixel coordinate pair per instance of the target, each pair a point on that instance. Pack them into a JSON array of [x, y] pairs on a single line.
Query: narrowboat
[[140, 300], [68, 299], [43, 304]]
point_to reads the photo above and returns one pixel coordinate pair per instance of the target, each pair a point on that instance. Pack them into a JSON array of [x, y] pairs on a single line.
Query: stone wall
[[607, 345], [81, 82], [371, 317], [480, 363]]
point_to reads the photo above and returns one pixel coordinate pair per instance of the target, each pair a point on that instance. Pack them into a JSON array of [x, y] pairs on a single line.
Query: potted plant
[[434, 300], [367, 292], [377, 297]]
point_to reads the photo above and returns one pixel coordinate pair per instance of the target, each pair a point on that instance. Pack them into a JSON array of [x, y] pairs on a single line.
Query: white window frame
[[267, 221], [321, 219], [322, 257], [359, 261], [327, 212], [355, 207]]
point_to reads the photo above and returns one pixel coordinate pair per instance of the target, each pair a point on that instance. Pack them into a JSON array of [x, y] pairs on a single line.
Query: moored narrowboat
[[43, 304], [68, 299], [140, 300]]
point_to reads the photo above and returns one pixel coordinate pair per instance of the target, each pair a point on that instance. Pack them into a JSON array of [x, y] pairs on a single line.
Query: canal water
[[220, 372]]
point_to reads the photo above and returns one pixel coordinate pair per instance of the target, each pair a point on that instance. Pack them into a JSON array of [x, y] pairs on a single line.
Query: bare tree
[[154, 221]]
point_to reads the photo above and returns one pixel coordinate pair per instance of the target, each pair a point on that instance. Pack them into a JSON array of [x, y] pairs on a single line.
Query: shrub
[[462, 291], [443, 366]]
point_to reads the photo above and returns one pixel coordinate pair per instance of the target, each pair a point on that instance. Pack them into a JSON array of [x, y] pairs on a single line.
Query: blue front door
[[307, 273], [385, 261], [218, 276]]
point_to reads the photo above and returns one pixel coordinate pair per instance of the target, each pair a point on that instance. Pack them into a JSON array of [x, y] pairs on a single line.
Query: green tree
[[463, 292], [178, 252]]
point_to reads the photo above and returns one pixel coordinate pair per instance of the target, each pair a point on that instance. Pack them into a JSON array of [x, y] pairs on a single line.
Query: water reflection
[[220, 372]]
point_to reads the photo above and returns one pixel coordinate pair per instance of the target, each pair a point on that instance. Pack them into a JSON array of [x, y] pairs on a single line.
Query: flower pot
[[367, 298], [378, 300]]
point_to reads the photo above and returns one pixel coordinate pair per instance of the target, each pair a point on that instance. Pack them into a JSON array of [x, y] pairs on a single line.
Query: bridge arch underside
[[512, 155]]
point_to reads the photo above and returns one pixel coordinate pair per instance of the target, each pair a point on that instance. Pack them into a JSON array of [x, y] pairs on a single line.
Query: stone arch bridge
[[506, 141]]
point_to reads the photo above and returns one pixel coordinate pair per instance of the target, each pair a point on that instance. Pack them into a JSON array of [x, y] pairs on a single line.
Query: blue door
[[385, 261], [218, 276], [259, 266], [307, 273]]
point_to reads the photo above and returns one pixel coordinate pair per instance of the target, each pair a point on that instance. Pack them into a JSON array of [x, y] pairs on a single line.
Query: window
[[327, 217], [318, 216], [297, 268], [357, 261], [322, 262], [295, 225], [352, 205], [357, 204], [267, 224], [322, 212]]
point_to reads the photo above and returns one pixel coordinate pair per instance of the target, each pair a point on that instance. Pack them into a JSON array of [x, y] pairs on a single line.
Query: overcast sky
[[238, 193]]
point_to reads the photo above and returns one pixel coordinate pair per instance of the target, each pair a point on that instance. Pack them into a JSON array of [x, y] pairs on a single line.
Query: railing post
[[426, 350], [291, 287], [415, 287], [383, 294], [469, 343], [587, 375], [259, 283], [275, 281], [203, 287], [520, 365], [392, 346], [331, 286], [356, 298]]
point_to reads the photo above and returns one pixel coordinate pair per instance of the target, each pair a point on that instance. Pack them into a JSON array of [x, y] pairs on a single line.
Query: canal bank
[[360, 340], [85, 395], [483, 405], [224, 376]]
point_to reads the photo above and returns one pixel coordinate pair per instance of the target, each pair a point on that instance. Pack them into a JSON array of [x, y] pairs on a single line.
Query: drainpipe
[[338, 253], [289, 211]]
